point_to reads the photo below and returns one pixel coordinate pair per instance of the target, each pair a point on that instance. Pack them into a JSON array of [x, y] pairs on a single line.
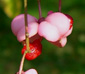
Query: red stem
[[59, 5], [39, 7]]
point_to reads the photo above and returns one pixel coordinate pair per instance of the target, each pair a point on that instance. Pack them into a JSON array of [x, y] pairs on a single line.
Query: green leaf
[[11, 7]]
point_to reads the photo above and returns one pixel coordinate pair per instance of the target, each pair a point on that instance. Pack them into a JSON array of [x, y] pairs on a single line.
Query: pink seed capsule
[[48, 31], [59, 20]]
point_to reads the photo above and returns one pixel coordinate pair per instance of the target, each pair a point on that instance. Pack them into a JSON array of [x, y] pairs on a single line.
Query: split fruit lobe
[[35, 50], [71, 20]]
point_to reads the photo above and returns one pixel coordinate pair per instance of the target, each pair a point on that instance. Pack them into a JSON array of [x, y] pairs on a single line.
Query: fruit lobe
[[35, 50], [48, 31], [32, 30], [31, 71], [70, 27], [71, 20], [60, 43], [60, 21], [50, 12], [18, 22]]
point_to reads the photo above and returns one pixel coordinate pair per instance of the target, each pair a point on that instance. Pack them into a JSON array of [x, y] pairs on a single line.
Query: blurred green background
[[53, 60]]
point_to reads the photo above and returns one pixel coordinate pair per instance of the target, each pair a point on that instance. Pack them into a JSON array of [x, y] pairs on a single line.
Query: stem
[[59, 5], [26, 37], [26, 26], [22, 63], [39, 7]]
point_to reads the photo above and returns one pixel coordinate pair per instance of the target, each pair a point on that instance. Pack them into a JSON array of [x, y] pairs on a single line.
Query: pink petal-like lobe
[[60, 43], [31, 71], [18, 22], [59, 20], [48, 31], [32, 30]]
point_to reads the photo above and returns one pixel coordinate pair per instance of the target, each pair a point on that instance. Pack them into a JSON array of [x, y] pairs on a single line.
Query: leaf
[[11, 7]]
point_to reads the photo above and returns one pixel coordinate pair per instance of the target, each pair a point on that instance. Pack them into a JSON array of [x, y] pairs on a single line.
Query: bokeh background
[[53, 60]]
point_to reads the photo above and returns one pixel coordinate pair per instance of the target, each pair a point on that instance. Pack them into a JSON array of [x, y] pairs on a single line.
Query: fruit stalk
[[22, 63], [26, 37], [59, 5], [39, 7], [26, 26]]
